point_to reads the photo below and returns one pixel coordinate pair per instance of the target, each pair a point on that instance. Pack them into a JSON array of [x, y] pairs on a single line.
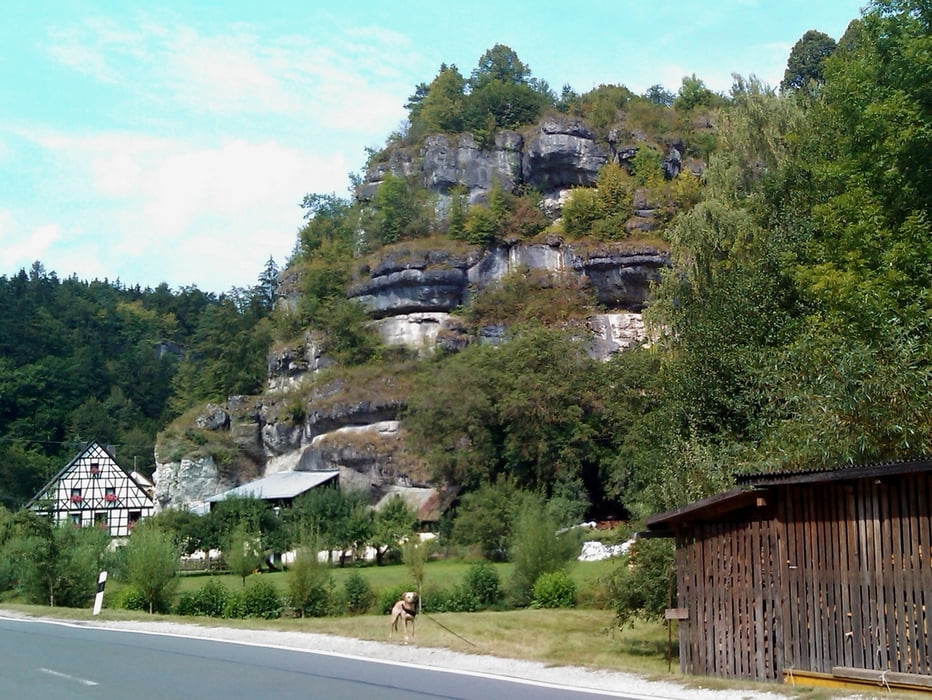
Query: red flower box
[[110, 497], [76, 498]]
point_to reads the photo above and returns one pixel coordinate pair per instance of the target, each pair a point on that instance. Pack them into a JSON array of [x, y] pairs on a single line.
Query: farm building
[[93, 490], [280, 489], [820, 574]]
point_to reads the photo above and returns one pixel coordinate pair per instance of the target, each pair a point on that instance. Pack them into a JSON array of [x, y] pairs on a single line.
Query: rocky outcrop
[[450, 161], [561, 152], [412, 293], [186, 483], [619, 275]]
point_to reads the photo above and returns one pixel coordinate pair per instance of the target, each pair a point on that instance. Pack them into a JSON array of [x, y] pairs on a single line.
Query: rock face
[[428, 284], [412, 294], [561, 152], [186, 483]]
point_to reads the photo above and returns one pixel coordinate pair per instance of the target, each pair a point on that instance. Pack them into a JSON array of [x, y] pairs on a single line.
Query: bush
[[131, 598], [643, 584], [554, 590], [357, 594], [390, 596], [537, 549], [209, 600], [262, 600], [310, 586], [235, 606], [456, 599], [482, 581]]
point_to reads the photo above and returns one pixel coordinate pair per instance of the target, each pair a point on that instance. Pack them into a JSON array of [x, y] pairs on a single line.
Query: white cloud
[[149, 210], [233, 71], [21, 248]]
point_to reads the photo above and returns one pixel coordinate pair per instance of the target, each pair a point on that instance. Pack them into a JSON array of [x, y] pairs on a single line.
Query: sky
[[174, 141]]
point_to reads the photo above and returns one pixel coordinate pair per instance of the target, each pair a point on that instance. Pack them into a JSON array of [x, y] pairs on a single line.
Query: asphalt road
[[59, 661]]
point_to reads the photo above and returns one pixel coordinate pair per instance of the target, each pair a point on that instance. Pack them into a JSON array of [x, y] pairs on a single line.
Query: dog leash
[[447, 629]]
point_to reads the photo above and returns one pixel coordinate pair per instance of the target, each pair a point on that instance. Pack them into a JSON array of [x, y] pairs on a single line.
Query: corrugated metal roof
[[833, 473], [278, 486]]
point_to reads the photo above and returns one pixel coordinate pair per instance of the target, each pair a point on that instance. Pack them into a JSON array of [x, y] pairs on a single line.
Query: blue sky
[[173, 141]]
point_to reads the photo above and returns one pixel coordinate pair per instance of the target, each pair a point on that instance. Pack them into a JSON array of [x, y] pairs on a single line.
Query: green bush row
[[480, 590]]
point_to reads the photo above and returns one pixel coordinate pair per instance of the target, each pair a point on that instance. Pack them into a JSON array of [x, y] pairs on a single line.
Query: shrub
[[482, 581], [642, 585], [554, 590], [209, 600], [309, 585], [456, 599], [131, 598], [390, 596], [537, 549], [235, 606], [357, 594], [262, 600]]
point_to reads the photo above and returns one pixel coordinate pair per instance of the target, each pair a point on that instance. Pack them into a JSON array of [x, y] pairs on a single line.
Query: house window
[[134, 517], [100, 520], [75, 520], [110, 494], [95, 470], [76, 495]]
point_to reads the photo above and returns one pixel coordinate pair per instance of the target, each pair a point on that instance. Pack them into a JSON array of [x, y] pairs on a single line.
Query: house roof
[[752, 487], [838, 473], [89, 447], [278, 486], [707, 509]]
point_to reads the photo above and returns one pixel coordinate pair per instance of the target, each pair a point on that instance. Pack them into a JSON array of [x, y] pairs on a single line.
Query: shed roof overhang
[[708, 509]]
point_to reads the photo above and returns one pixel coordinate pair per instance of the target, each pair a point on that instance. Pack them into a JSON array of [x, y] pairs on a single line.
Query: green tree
[[693, 93], [415, 555], [499, 63], [391, 525], [397, 211], [658, 95], [536, 548], [152, 565], [309, 583], [643, 585], [804, 66], [442, 107], [242, 550], [485, 517]]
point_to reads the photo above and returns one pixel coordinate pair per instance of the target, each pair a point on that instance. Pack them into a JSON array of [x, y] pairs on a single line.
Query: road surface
[[55, 660]]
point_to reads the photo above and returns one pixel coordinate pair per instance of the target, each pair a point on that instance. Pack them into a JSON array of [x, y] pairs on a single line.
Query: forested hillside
[[791, 330], [99, 360]]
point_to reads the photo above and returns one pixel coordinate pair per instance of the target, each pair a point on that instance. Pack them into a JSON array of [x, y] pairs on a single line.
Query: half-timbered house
[[92, 490], [825, 574]]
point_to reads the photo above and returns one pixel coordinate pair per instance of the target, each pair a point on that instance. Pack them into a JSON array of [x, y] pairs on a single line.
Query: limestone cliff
[[412, 294]]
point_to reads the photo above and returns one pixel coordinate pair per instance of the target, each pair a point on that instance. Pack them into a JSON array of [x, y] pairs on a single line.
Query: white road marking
[[73, 679]]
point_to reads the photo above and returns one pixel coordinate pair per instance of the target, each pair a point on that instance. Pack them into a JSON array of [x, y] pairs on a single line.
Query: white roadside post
[[99, 598]]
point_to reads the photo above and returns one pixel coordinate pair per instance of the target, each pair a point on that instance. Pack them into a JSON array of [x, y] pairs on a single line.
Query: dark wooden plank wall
[[858, 575], [725, 579], [841, 576]]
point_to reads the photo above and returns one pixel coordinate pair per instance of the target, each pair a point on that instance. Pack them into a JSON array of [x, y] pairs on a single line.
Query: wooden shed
[[825, 573]]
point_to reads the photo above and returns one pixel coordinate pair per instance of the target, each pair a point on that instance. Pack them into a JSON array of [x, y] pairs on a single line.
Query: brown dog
[[404, 612]]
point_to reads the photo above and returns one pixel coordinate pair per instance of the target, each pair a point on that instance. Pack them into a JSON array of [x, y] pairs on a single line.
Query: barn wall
[[858, 575], [726, 579], [837, 574]]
